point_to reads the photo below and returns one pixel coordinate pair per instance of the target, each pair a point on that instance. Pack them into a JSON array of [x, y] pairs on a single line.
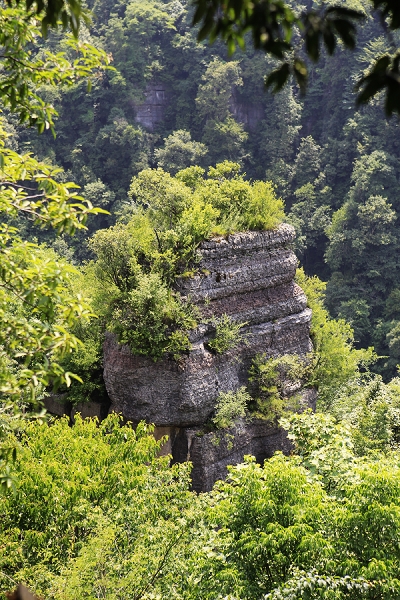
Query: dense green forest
[[174, 143], [97, 515], [335, 167]]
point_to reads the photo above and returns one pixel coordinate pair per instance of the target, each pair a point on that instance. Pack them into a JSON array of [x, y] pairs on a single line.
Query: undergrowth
[[227, 334], [230, 406]]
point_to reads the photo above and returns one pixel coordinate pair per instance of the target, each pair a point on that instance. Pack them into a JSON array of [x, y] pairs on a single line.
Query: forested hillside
[[178, 143], [172, 103]]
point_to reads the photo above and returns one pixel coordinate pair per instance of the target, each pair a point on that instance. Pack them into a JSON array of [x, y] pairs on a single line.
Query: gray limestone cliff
[[152, 110], [250, 277]]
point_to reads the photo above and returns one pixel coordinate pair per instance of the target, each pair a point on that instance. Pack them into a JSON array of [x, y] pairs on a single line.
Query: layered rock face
[[152, 110], [250, 277]]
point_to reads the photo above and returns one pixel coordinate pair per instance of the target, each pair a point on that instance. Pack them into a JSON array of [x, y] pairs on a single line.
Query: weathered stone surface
[[211, 453], [170, 434], [248, 276], [250, 113], [152, 110], [89, 409], [57, 404], [157, 97]]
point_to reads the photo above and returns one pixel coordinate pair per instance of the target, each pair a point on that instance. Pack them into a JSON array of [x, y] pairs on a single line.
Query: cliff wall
[[157, 98], [250, 277]]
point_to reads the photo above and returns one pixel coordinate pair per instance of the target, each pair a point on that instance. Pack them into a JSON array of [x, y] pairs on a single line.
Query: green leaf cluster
[[290, 35], [140, 258], [91, 490], [96, 511], [26, 67], [275, 382], [37, 306], [227, 334], [229, 406], [335, 359], [371, 408]]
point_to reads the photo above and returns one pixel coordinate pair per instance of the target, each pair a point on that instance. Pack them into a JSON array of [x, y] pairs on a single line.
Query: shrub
[[271, 376], [227, 334], [87, 363], [74, 485], [151, 319], [139, 259], [230, 406], [335, 359]]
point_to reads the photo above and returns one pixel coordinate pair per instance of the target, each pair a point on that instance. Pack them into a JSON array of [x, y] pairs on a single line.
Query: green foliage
[[297, 528], [264, 210], [179, 152], [326, 447], [86, 362], [139, 557], [230, 406], [145, 318], [87, 521], [343, 156], [335, 358], [37, 308], [216, 89], [97, 491], [371, 408], [312, 585], [318, 32], [372, 225], [36, 305], [361, 252], [51, 14], [356, 313], [223, 135], [25, 70], [225, 139], [13, 419], [269, 519], [365, 487], [310, 216], [136, 305], [227, 334], [275, 380], [138, 262], [95, 509], [224, 202]]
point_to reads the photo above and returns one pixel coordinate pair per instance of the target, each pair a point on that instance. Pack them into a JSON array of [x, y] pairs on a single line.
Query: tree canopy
[[96, 511], [37, 308], [292, 35]]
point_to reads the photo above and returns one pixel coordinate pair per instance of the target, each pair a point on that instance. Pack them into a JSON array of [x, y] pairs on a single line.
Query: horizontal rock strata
[[248, 276]]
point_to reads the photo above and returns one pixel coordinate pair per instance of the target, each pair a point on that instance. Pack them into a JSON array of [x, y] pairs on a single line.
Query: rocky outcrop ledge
[[250, 277]]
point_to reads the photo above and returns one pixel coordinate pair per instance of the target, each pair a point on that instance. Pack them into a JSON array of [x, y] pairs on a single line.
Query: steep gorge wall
[[250, 277]]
